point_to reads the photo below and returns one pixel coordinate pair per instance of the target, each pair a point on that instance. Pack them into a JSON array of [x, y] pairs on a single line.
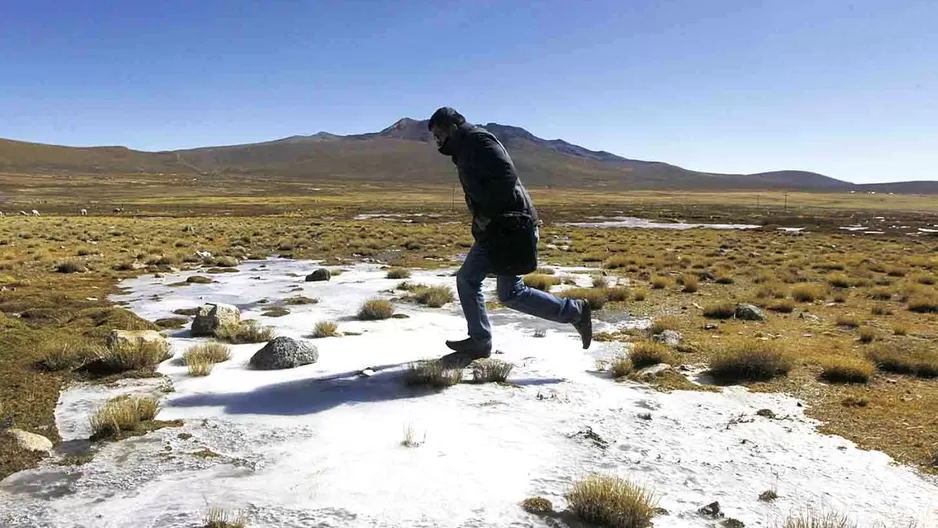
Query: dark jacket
[[488, 176]]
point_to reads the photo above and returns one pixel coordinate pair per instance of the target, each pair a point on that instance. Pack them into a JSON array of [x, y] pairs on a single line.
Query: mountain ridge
[[404, 152]]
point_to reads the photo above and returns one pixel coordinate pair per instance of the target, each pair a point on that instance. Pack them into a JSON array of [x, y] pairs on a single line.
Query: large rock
[[133, 337], [29, 441], [672, 338], [749, 312], [284, 353], [322, 274], [649, 374], [212, 316]]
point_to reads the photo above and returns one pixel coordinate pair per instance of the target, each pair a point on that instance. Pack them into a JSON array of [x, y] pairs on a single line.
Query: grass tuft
[[808, 292], [70, 267], [647, 353], [750, 361], [838, 369], [248, 331], [724, 310], [537, 506], [398, 273], [540, 282], [621, 366], [925, 302], [612, 502], [661, 324], [220, 518], [868, 334], [905, 357], [125, 356], [818, 520], [325, 329], [431, 373], [122, 414], [375, 310], [690, 283], [490, 370], [596, 297]]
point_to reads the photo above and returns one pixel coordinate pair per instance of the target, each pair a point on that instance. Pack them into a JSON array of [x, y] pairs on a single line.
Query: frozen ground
[[321, 446], [632, 222]]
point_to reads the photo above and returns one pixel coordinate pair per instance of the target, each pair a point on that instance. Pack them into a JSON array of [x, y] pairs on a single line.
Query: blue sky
[[845, 88]]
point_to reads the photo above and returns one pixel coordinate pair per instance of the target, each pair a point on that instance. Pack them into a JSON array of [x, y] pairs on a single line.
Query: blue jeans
[[512, 293]]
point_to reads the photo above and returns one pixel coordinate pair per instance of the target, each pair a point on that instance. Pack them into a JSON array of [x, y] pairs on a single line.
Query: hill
[[403, 152]]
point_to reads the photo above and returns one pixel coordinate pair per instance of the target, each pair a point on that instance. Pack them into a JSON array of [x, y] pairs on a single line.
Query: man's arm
[[491, 176]]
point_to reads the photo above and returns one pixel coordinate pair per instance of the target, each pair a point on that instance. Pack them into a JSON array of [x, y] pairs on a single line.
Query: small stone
[[711, 510], [321, 274], [766, 413], [668, 337], [711, 326], [768, 495], [29, 441], [649, 374]]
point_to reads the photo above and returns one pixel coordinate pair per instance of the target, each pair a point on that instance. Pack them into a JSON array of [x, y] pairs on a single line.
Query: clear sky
[[845, 88]]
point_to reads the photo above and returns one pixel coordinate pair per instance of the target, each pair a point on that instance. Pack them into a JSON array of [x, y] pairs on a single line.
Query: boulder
[[748, 312], [322, 274], [672, 338], [133, 337], [284, 353], [29, 441], [212, 316]]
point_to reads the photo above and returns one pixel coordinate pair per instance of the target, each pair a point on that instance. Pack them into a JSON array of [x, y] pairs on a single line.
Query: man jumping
[[505, 230]]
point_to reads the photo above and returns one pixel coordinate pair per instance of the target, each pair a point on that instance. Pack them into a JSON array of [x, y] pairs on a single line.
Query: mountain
[[404, 152]]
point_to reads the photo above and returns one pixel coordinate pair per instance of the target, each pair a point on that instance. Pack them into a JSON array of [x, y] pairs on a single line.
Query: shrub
[[750, 361], [639, 295], [226, 262], [924, 279], [850, 321], [219, 518], [840, 297], [600, 281], [122, 414], [210, 352], [659, 283], [818, 520], [431, 373], [617, 294], [298, 300], [58, 354], [540, 282], [376, 309], [398, 273], [924, 303], [782, 306], [690, 283], [880, 293], [880, 309], [724, 278], [596, 297], [617, 261], [199, 279], [621, 366], [867, 334], [612, 502], [490, 370], [720, 311], [646, 353], [661, 324], [808, 292], [199, 366], [124, 356], [896, 271], [433, 296], [838, 280], [70, 267], [248, 331], [325, 329], [905, 357], [846, 370], [900, 330]]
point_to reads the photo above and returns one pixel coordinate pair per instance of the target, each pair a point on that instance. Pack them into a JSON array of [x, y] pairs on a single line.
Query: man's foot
[[584, 326], [471, 346]]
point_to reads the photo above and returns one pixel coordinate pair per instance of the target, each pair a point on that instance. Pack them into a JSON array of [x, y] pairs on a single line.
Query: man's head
[[443, 124]]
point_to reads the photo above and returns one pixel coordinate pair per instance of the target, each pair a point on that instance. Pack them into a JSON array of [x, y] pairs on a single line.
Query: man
[[504, 226]]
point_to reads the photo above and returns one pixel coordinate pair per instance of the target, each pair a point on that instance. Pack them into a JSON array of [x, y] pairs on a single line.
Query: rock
[[711, 510], [29, 441], [212, 316], [672, 338], [809, 317], [748, 312], [400, 316], [766, 413], [651, 373], [132, 337], [711, 326], [284, 353], [733, 523], [322, 274]]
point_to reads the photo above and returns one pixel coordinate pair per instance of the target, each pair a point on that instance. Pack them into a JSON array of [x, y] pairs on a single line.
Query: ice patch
[[320, 445], [641, 223]]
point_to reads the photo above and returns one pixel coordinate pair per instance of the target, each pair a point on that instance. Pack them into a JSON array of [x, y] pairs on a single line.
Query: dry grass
[[621, 366], [199, 366], [410, 437], [66, 354], [808, 292], [647, 353], [325, 329], [747, 361], [398, 273], [490, 370], [905, 357], [640, 294], [432, 374], [124, 356], [868, 334], [248, 331], [537, 506], [434, 296], [723, 310], [612, 502], [782, 306], [660, 324], [811, 519], [848, 320], [617, 294], [596, 297], [122, 414], [217, 517], [772, 290], [839, 369], [200, 359], [540, 282], [660, 283], [839, 280], [690, 283], [925, 302]]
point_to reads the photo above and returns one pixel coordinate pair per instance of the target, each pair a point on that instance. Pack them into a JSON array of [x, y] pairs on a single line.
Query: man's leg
[[469, 287], [513, 293]]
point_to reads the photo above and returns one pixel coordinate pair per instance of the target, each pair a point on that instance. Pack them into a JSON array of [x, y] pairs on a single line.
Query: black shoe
[[471, 346], [584, 326]]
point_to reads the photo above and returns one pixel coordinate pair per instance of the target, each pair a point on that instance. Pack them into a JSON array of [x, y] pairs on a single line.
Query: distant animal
[[36, 213], [84, 212], [117, 209], [24, 213]]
